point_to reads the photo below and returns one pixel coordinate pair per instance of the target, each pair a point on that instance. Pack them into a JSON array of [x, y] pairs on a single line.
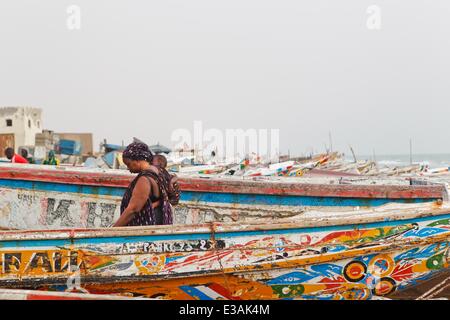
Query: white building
[[18, 127]]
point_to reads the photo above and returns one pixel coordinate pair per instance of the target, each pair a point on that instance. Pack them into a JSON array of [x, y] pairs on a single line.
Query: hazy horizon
[[146, 68]]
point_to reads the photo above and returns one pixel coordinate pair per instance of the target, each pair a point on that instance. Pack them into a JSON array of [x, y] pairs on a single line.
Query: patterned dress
[[149, 216]]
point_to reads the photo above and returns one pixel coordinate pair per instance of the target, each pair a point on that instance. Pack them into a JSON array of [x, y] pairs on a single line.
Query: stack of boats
[[330, 164], [271, 235]]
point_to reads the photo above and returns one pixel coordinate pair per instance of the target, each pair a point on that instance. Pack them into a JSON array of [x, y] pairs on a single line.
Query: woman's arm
[[140, 195]]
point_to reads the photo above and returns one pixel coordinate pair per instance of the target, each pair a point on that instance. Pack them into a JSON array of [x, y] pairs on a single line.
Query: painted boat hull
[[39, 197], [338, 256]]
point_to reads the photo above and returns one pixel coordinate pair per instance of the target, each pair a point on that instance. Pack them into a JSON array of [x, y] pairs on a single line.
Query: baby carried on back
[[173, 193]]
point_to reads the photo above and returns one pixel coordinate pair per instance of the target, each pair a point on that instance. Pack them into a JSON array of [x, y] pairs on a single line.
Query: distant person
[[24, 153], [213, 157], [160, 162], [51, 160], [14, 157], [145, 201]]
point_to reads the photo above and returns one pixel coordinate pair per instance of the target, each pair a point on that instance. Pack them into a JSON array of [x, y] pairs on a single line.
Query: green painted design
[[436, 262], [399, 229], [103, 265], [439, 223], [382, 233], [288, 291]]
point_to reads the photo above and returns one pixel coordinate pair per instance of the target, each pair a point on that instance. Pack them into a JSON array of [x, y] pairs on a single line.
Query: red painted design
[[333, 283], [403, 272], [222, 291], [44, 207], [47, 297]]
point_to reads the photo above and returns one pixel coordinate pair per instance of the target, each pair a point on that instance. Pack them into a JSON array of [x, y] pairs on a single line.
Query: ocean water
[[391, 160]]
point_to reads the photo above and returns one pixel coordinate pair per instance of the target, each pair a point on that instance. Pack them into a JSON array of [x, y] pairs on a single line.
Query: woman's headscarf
[[138, 151]]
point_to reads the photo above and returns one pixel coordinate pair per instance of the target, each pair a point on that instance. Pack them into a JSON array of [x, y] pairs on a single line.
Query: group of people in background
[[14, 157], [25, 158]]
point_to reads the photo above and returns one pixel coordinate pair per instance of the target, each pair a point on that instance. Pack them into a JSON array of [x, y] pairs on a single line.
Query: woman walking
[[145, 201]]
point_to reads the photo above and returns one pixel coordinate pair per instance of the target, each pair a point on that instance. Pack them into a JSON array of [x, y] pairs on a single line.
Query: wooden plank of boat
[[437, 287], [39, 197], [342, 255], [17, 294]]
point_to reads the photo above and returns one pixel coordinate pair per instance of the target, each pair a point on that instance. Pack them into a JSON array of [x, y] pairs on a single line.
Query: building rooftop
[[4, 111]]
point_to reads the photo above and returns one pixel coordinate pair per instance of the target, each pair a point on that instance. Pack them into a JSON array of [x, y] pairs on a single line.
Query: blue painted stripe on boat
[[61, 187], [194, 292], [218, 236], [212, 197], [267, 199]]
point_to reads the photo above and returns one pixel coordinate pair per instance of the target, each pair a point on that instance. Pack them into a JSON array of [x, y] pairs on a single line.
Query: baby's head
[[159, 161]]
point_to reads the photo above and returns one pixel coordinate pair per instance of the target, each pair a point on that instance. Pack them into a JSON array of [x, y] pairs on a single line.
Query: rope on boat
[[437, 289]]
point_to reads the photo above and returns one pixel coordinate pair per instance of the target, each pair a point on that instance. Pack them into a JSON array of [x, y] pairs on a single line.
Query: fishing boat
[[48, 197], [338, 255]]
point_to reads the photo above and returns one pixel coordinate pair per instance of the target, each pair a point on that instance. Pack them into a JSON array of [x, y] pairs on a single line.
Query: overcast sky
[[145, 68]]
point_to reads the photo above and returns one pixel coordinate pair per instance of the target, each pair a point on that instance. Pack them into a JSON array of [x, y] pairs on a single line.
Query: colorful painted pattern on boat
[[233, 261]]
